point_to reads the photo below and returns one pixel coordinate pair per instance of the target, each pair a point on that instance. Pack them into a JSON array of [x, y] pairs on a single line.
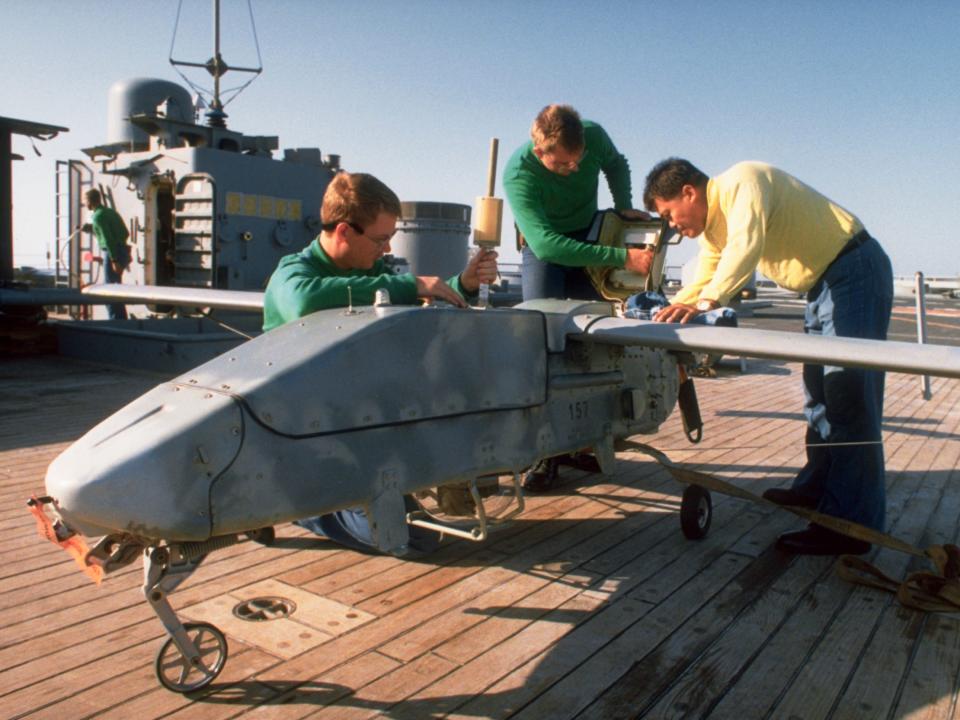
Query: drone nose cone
[[147, 469]]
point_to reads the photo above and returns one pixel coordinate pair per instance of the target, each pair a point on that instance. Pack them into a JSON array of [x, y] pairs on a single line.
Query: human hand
[[632, 214], [678, 312], [482, 268], [431, 286], [639, 260]]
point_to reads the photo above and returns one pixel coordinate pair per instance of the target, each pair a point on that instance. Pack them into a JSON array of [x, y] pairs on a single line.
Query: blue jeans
[[541, 279], [115, 311], [853, 298], [351, 528]]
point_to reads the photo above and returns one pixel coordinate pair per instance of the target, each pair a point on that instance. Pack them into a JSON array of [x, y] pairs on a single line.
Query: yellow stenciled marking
[[263, 206], [234, 202], [267, 207]]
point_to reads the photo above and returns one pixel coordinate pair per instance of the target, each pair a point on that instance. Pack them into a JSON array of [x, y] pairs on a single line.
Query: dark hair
[[667, 179], [93, 196]]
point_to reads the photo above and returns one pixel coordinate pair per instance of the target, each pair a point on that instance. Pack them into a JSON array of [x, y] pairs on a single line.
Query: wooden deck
[[591, 605]]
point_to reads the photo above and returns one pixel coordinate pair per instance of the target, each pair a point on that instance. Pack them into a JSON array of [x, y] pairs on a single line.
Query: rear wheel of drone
[[696, 512]]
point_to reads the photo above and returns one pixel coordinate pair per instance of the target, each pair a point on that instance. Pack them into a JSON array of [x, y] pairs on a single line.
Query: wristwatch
[[707, 305]]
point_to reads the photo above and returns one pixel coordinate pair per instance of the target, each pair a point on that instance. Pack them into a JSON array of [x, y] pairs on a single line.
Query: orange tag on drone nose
[[74, 545]]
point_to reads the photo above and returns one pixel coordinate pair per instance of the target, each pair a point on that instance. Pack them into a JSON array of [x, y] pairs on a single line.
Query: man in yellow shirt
[[754, 216]]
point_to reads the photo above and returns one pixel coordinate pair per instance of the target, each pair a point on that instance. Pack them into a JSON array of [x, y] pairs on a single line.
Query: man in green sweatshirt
[[551, 184], [344, 265]]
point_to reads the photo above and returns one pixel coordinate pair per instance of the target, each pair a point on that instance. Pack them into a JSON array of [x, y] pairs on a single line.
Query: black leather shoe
[[818, 540], [541, 477], [789, 496]]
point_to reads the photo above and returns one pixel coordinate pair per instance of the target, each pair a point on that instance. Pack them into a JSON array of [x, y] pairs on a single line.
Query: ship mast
[[217, 67], [216, 117]]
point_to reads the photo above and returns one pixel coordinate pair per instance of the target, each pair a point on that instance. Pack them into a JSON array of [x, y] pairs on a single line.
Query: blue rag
[[644, 305]]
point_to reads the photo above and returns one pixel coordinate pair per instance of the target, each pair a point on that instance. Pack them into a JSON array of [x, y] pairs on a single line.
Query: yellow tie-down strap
[[927, 591]]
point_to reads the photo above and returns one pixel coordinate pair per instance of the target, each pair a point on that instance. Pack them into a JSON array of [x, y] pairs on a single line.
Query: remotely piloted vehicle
[[363, 406]]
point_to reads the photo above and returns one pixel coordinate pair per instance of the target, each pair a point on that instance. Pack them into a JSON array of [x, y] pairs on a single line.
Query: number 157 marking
[[578, 410]]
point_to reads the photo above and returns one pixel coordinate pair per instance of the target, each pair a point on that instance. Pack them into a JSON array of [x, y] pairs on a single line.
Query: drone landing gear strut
[[195, 653]]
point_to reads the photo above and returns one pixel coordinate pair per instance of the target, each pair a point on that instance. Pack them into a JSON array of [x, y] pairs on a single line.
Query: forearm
[[553, 247], [302, 298]]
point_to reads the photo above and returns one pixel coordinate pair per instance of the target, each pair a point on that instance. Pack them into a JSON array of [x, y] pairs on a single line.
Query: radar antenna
[[217, 67]]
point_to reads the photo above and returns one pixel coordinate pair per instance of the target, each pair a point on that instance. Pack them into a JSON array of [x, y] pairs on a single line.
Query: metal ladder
[[194, 228], [72, 178]]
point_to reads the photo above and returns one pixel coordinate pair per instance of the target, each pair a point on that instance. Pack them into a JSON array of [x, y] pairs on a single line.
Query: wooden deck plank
[[455, 624], [139, 695], [583, 545], [55, 635], [884, 667], [723, 662], [843, 646], [659, 580], [635, 690], [720, 664], [576, 690], [789, 651], [304, 700], [930, 691], [480, 673], [518, 688], [507, 622]]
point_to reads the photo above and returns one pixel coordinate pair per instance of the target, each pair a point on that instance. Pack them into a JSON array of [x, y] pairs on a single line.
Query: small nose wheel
[[696, 512], [182, 674]]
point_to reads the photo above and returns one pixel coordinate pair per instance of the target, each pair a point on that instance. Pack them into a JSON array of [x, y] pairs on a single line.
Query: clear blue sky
[[860, 99]]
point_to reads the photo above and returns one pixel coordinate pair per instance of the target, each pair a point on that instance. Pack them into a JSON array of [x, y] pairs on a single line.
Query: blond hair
[[557, 125], [357, 198]]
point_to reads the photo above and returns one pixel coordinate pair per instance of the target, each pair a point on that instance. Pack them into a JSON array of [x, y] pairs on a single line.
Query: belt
[[852, 244]]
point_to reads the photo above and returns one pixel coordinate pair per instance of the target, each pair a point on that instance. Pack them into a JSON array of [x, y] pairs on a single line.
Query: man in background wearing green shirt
[[111, 233], [344, 265], [551, 183]]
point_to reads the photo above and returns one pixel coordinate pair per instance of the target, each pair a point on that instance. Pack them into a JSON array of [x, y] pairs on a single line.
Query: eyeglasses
[[379, 242], [569, 164]]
